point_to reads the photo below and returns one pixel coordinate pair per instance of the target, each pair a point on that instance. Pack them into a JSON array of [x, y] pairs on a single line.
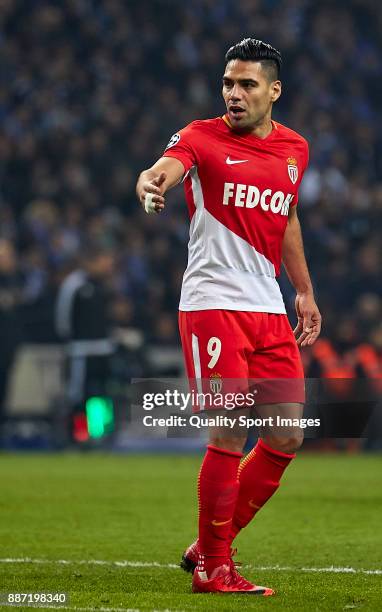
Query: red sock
[[259, 478], [217, 491]]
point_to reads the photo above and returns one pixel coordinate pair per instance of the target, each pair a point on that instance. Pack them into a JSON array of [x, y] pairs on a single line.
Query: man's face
[[248, 93]]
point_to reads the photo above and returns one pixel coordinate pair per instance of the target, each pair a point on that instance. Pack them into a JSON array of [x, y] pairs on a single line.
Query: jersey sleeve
[[182, 146]]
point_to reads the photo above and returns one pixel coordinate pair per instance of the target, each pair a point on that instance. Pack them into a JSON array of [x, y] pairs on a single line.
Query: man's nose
[[236, 92]]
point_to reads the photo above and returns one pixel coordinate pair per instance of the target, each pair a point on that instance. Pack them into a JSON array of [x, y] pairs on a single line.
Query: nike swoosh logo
[[218, 523], [235, 161], [253, 505]]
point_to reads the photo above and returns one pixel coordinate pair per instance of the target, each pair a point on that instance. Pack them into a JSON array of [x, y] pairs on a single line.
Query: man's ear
[[276, 90]]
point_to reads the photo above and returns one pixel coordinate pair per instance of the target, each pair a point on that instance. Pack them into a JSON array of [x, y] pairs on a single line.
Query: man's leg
[[221, 331], [277, 373], [215, 347], [261, 470], [218, 488]]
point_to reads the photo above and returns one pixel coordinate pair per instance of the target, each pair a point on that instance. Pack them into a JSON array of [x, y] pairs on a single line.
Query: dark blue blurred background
[[91, 92]]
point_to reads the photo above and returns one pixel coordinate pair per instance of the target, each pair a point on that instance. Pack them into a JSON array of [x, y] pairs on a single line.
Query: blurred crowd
[[90, 93]]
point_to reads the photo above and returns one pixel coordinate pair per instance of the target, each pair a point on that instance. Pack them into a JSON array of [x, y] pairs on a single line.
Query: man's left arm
[[309, 318]]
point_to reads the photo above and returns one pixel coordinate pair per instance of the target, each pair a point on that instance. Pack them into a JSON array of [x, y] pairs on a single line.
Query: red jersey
[[239, 189]]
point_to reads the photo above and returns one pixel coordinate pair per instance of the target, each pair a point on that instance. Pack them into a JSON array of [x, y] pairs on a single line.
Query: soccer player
[[241, 176]]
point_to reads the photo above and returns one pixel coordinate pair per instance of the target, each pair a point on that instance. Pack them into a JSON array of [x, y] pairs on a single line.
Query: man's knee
[[227, 438], [231, 443], [287, 443]]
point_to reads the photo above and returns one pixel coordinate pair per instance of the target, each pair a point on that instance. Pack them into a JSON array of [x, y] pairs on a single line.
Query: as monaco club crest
[[292, 169], [216, 382]]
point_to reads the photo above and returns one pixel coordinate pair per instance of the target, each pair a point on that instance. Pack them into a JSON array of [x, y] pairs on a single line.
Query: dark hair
[[253, 50]]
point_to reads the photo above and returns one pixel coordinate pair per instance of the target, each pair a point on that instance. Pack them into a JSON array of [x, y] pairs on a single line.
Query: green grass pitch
[[85, 507]]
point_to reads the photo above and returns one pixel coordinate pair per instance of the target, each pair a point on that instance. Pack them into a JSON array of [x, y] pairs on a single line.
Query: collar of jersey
[[270, 135]]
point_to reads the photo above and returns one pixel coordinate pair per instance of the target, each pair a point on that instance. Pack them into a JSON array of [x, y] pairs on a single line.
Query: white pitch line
[[61, 607], [87, 609], [260, 568], [329, 570]]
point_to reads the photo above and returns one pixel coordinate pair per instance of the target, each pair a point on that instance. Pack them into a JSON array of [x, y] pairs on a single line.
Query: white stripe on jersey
[[224, 271], [198, 369]]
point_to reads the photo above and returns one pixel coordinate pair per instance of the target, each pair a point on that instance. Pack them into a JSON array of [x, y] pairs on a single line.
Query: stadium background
[[90, 94]]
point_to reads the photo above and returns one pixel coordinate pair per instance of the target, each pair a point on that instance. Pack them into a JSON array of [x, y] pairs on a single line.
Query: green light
[[100, 416]]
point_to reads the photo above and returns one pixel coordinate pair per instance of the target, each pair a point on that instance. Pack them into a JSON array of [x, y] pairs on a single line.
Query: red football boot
[[191, 554], [226, 579], [190, 557]]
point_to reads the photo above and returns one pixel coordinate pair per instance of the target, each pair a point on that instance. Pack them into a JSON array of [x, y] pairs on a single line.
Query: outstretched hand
[[308, 327], [151, 193]]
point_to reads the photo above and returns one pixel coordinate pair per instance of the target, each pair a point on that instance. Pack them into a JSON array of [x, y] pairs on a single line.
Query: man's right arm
[[164, 174]]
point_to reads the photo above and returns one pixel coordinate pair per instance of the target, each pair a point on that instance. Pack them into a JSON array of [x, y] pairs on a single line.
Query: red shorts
[[244, 349]]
